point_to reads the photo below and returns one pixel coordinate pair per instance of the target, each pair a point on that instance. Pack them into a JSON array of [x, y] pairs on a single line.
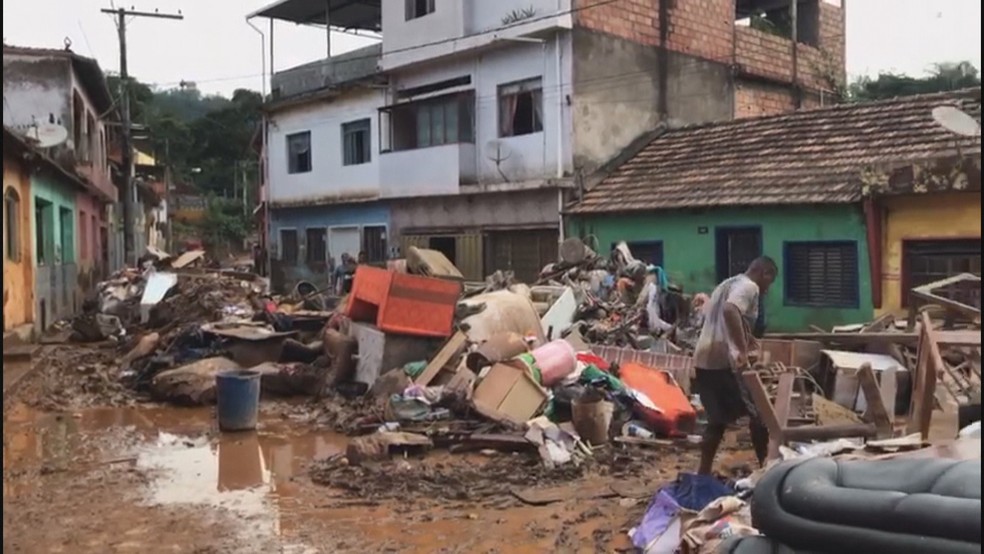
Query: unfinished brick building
[[699, 60]]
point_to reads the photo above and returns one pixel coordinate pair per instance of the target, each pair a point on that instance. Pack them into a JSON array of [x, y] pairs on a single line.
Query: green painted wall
[[689, 251], [59, 221]]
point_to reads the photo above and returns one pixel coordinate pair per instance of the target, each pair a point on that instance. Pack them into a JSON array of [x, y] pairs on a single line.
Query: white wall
[[446, 22], [328, 178], [531, 157], [482, 15]]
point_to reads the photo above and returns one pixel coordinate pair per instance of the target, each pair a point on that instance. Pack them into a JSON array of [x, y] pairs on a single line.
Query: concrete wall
[[37, 90], [616, 93], [919, 217], [446, 22], [526, 158], [689, 249], [706, 30], [56, 290], [40, 90], [482, 15], [318, 217], [531, 208], [89, 225], [328, 179], [18, 266]]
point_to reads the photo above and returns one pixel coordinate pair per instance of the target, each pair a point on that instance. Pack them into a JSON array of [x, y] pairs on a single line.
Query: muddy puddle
[[182, 459], [165, 480]]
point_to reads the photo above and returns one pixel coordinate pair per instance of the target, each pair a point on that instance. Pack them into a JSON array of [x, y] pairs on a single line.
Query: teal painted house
[[53, 226], [703, 201]]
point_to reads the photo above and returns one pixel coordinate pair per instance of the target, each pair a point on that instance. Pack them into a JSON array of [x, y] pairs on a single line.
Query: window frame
[[293, 167], [282, 244], [464, 106], [309, 258], [851, 302], [412, 13], [350, 129], [384, 239], [958, 246], [533, 87]]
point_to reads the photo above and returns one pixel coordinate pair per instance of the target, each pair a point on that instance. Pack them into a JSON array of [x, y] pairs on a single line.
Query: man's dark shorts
[[725, 400]]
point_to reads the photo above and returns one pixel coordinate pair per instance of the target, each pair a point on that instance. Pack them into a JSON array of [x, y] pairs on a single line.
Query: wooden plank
[[872, 396], [766, 412], [783, 405], [889, 388], [851, 338], [966, 337], [574, 491], [928, 362], [455, 346], [830, 432]]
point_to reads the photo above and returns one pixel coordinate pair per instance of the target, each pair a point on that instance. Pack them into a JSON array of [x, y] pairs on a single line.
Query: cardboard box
[[509, 393]]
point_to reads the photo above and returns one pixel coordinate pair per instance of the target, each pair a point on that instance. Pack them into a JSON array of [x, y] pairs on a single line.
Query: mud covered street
[[146, 478]]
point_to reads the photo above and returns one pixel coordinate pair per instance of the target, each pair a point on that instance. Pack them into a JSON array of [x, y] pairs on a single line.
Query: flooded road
[[154, 479]]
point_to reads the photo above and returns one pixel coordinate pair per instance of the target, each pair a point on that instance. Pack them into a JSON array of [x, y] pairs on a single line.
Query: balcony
[[434, 171]]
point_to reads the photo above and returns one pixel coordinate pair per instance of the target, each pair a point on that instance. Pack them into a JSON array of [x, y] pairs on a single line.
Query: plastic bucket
[[238, 396], [556, 361], [592, 417]]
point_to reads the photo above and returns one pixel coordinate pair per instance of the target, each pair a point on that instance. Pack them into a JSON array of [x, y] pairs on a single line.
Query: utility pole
[[127, 138]]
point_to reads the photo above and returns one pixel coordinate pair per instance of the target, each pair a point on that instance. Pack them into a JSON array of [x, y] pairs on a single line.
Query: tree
[[942, 77]]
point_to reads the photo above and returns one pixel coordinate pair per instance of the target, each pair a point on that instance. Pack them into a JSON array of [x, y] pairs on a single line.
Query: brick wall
[[701, 28], [757, 99], [635, 20], [706, 29], [766, 55]]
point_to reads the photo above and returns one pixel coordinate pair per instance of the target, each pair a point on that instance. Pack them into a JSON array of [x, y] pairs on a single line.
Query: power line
[[438, 42], [121, 14]]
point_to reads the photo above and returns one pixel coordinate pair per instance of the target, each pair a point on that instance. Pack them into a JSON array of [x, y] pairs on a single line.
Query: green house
[[703, 201]]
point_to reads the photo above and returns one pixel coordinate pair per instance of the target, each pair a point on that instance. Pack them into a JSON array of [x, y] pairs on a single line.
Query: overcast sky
[[214, 47]]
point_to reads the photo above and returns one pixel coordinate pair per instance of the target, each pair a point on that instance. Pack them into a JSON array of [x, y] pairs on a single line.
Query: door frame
[[721, 231]]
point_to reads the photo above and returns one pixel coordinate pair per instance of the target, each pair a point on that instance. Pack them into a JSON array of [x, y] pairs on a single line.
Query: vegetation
[[205, 139], [515, 16], [202, 137], [942, 77]]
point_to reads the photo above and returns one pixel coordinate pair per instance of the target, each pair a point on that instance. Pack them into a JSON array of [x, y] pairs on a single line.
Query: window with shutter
[[821, 274]]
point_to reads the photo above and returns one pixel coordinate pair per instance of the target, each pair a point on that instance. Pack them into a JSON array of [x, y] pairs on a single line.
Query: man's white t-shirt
[[715, 348]]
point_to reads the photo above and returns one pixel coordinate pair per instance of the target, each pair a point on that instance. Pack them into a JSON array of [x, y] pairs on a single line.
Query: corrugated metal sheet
[[524, 253], [468, 254]]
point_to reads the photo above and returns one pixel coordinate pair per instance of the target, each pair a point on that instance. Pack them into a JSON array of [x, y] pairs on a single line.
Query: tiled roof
[[805, 157]]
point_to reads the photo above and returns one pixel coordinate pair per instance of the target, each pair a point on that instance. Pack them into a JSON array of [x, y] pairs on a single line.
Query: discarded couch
[[756, 545], [823, 505]]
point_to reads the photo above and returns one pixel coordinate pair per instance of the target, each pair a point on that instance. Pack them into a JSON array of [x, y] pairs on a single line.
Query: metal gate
[[468, 254]]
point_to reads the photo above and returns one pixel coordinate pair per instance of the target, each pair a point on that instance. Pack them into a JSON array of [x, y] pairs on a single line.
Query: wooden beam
[[784, 402], [851, 338], [452, 348], [873, 399], [830, 432], [767, 414]]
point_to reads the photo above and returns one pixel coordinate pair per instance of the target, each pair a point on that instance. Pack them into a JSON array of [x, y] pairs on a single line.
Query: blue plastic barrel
[[238, 396]]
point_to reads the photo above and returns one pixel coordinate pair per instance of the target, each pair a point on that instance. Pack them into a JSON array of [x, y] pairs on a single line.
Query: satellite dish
[[48, 134], [497, 151], [957, 121]]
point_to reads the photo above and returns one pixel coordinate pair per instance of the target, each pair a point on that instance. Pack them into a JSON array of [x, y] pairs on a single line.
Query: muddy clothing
[[724, 398], [716, 350], [717, 382]]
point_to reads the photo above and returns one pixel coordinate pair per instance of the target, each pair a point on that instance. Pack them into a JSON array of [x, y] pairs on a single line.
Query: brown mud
[[143, 478]]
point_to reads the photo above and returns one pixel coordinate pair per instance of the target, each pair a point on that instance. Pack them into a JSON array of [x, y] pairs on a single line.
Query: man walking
[[722, 354]]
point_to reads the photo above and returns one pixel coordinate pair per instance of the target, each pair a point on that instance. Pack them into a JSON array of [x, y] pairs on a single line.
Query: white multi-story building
[[471, 123]]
